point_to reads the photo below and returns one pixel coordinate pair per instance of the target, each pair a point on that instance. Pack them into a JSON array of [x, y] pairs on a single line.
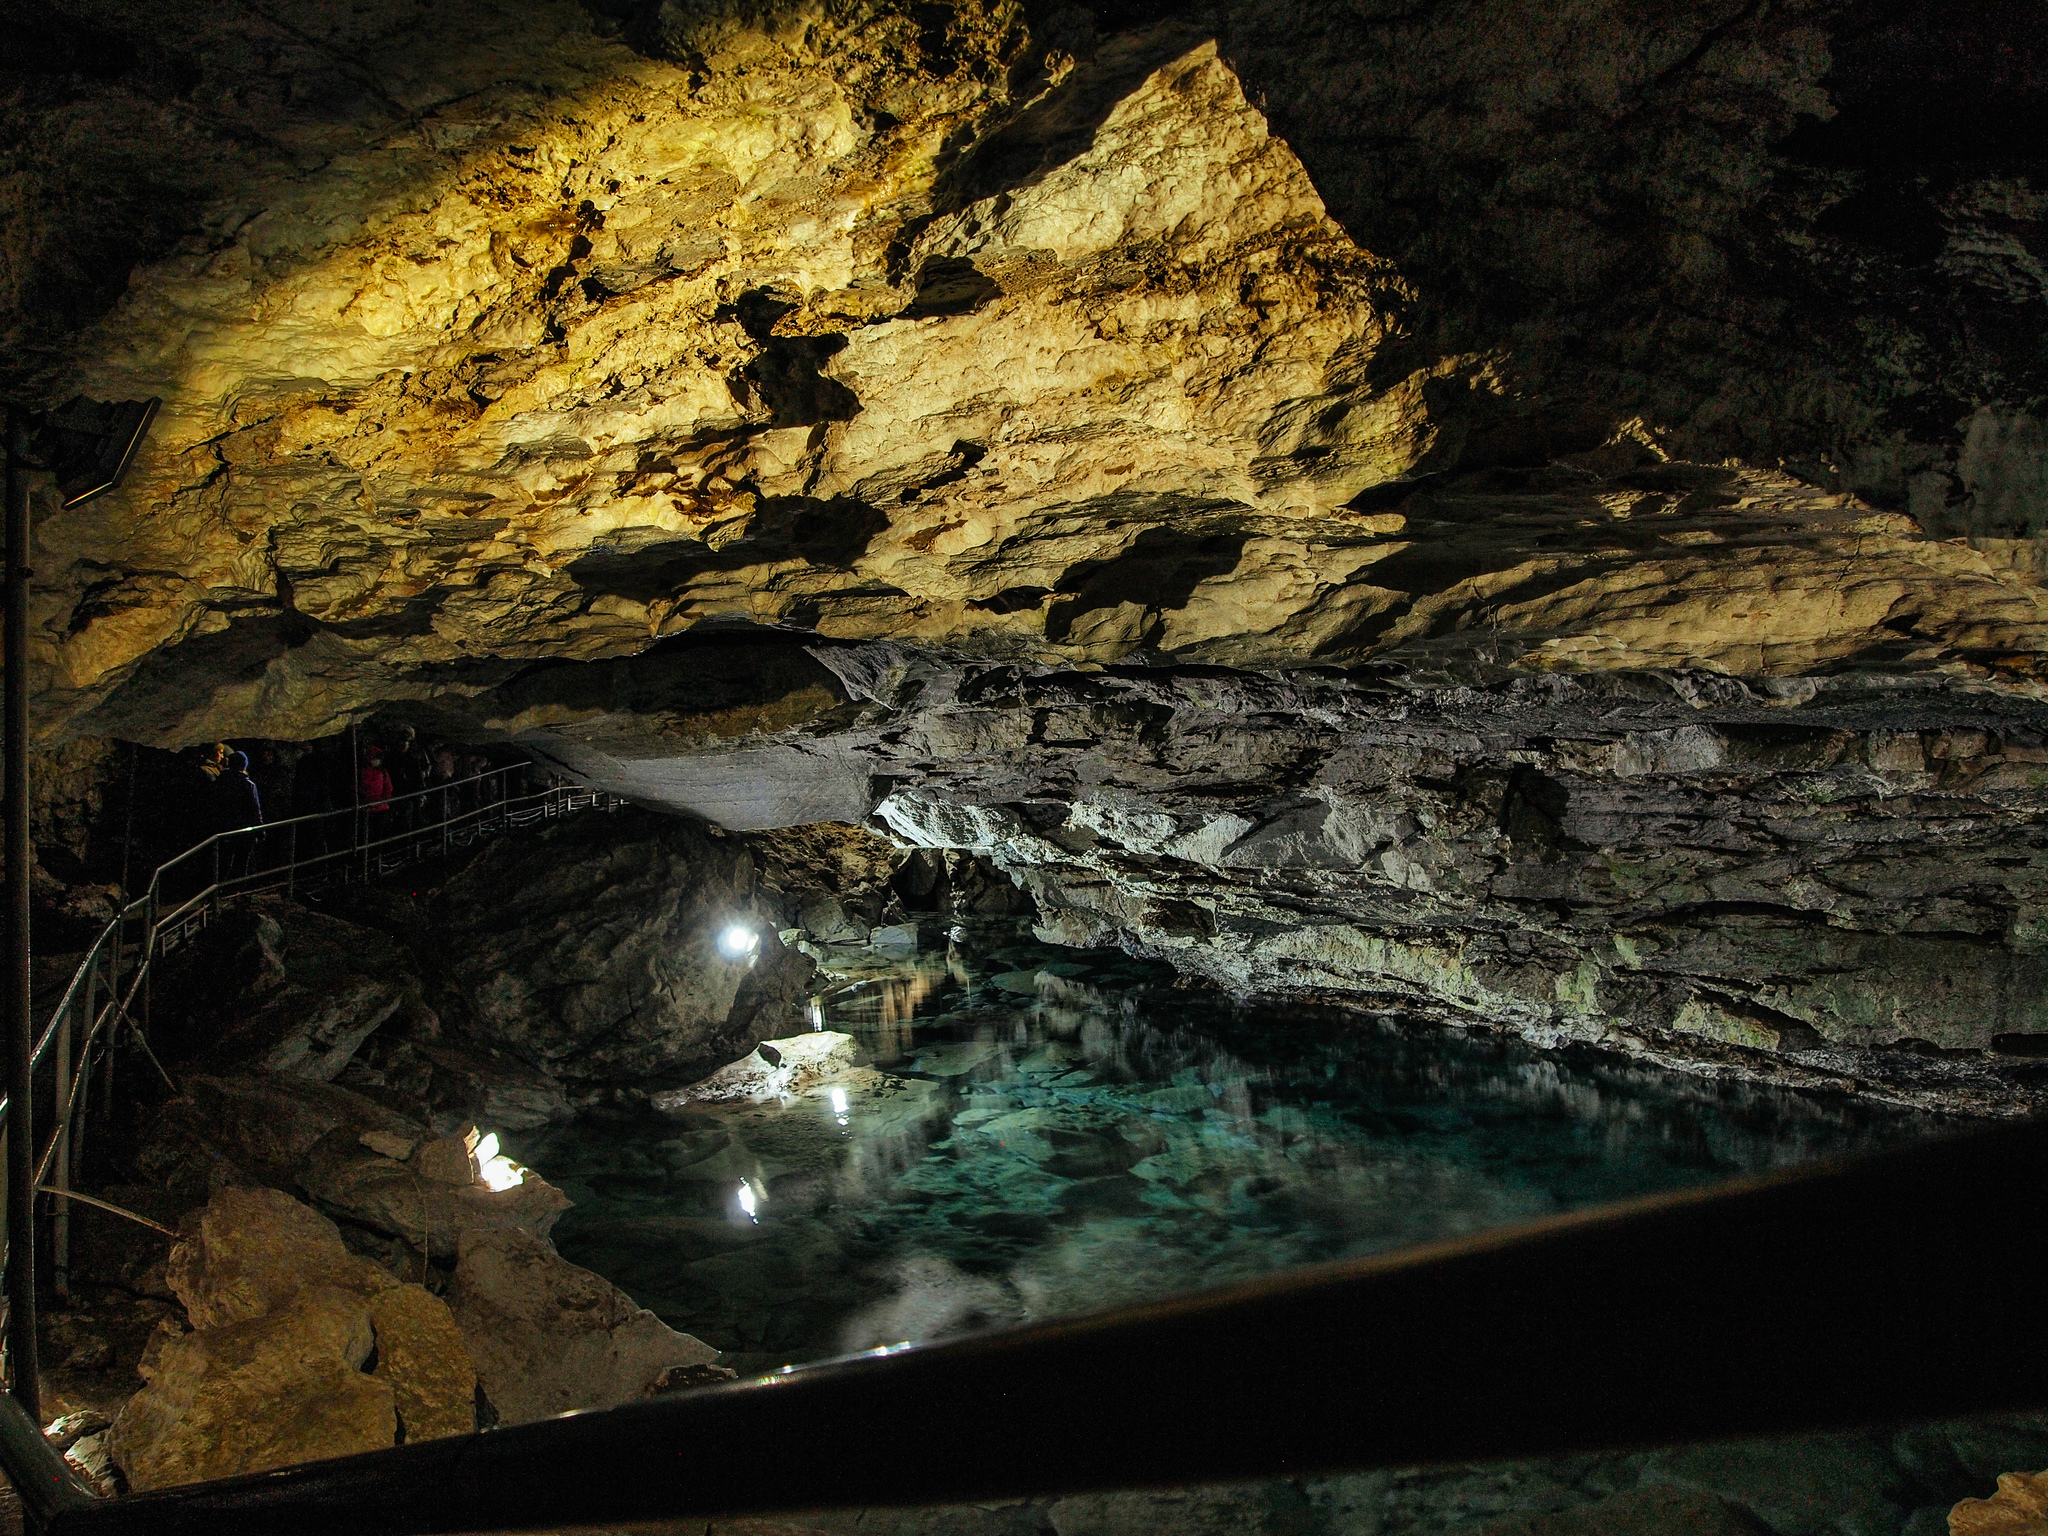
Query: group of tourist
[[394, 787]]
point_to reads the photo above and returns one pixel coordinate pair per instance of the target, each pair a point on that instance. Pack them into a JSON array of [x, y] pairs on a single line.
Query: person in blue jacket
[[237, 803]]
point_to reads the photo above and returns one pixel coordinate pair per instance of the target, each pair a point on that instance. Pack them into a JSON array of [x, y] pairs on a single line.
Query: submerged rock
[[549, 1338], [774, 1070]]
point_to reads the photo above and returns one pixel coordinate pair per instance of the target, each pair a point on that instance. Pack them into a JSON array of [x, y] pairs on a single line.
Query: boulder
[[248, 1396], [548, 1337], [590, 951], [2018, 1508], [775, 1069], [275, 1369], [247, 1129], [489, 1087], [448, 1159], [304, 991], [828, 922], [422, 1357], [424, 1207], [251, 1250]]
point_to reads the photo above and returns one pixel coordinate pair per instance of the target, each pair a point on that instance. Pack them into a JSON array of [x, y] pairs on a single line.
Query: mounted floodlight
[[737, 941], [497, 1171], [90, 444]]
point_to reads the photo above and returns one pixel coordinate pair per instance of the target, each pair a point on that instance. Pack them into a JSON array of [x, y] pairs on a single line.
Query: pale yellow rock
[[273, 1373], [2018, 1508], [251, 1250], [251, 1395], [421, 1355]]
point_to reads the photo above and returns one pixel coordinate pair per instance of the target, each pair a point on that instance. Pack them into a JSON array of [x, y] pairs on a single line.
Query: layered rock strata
[[1823, 880]]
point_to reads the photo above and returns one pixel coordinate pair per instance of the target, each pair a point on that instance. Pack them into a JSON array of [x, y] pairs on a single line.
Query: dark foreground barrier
[[1893, 1288]]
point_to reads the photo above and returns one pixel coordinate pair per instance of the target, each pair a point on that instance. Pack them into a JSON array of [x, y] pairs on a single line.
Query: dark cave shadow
[[1160, 571]]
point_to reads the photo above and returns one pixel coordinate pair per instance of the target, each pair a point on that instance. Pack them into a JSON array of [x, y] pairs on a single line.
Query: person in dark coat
[[275, 770], [408, 767], [237, 804]]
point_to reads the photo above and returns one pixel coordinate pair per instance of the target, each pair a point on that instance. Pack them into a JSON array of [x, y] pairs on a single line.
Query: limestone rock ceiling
[[1528, 513], [496, 335]]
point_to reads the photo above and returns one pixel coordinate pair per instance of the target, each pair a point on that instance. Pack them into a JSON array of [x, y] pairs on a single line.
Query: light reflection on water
[[1044, 1131]]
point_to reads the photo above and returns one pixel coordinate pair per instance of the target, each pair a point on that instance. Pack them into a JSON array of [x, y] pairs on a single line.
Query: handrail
[[66, 1055], [1879, 1290]]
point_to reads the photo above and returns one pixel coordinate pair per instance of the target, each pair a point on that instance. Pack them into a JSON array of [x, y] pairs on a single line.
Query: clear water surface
[[1047, 1131]]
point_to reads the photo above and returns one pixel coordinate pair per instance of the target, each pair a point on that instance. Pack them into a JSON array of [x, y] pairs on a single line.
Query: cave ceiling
[[1527, 487]]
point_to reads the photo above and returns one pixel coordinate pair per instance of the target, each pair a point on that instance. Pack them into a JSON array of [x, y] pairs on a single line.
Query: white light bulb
[[838, 1101], [497, 1171], [737, 941], [748, 1202]]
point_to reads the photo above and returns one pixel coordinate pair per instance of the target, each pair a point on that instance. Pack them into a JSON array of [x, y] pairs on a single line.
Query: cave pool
[[1047, 1131]]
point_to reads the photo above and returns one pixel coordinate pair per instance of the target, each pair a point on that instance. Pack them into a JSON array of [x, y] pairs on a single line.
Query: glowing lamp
[[737, 941], [494, 1168]]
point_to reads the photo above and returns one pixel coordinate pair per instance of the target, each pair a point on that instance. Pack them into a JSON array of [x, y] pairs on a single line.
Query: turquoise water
[[1043, 1131]]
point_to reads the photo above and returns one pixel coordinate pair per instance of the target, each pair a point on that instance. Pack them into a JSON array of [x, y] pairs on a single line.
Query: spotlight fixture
[[737, 941], [89, 444]]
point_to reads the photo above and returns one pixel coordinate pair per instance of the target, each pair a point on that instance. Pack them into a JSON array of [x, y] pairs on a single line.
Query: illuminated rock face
[[783, 413], [486, 339]]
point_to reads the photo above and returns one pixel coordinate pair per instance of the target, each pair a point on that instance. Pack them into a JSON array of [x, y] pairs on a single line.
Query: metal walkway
[[109, 995]]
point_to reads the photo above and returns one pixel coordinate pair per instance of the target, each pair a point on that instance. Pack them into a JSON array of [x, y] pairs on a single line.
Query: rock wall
[[1527, 514], [1830, 880]]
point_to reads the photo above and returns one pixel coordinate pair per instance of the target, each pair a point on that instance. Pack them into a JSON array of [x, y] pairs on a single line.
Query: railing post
[[291, 863], [19, 1043], [60, 1162]]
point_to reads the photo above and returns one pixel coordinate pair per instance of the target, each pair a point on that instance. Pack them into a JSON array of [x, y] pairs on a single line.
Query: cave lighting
[[737, 941], [494, 1168], [815, 1012], [750, 1202], [839, 1109]]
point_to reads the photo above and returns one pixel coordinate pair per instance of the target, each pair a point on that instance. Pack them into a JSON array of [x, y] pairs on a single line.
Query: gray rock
[[591, 951], [548, 1337], [772, 1071], [830, 923], [312, 989], [1815, 1485], [257, 1129], [430, 1213]]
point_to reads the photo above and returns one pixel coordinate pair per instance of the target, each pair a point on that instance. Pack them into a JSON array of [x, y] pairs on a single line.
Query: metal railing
[[1883, 1290], [110, 989]]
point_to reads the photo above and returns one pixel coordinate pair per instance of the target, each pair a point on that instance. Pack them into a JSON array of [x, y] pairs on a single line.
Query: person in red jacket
[[374, 786]]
